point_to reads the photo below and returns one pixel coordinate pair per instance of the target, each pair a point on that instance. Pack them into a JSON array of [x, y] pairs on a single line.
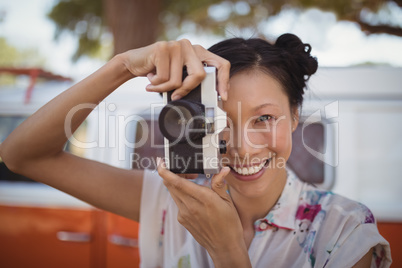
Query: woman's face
[[259, 133]]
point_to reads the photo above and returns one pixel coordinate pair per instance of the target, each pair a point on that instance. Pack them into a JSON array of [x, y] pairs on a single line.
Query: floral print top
[[307, 227]]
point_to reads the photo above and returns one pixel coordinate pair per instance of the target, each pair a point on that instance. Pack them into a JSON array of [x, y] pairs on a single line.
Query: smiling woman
[[255, 212], [276, 212]]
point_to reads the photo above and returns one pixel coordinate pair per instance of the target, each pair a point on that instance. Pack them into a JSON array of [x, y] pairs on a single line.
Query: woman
[[255, 212]]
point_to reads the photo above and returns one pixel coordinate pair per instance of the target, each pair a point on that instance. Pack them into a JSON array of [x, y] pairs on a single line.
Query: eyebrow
[[264, 105]]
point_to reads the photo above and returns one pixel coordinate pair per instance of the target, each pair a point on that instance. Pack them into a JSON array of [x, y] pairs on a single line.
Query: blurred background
[[47, 45], [73, 38]]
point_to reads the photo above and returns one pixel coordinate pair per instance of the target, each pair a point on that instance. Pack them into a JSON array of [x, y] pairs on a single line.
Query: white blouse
[[307, 227]]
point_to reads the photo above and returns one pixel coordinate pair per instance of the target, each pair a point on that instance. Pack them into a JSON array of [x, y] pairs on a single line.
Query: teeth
[[250, 170]]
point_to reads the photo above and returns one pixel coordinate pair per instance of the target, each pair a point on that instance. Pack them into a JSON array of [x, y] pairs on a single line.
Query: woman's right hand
[[163, 62], [210, 215]]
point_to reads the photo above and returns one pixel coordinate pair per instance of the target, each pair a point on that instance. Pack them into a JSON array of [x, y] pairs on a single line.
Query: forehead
[[254, 90]]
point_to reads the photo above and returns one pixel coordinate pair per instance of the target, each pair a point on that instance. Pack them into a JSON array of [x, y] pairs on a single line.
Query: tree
[[11, 56], [90, 20], [126, 17]]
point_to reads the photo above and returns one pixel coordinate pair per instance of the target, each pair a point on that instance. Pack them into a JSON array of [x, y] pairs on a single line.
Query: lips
[[250, 172]]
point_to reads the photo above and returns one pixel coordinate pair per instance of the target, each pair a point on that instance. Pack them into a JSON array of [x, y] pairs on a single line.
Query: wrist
[[121, 60]]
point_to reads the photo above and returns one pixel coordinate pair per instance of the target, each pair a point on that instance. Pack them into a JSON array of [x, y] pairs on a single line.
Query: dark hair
[[288, 60]]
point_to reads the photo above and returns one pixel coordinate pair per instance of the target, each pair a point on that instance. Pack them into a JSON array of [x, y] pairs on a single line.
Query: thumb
[[218, 183]]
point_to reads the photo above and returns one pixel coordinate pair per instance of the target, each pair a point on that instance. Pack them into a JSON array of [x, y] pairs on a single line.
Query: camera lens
[[181, 121]]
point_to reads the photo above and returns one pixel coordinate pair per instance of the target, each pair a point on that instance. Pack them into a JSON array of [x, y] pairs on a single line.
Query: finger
[[150, 76], [223, 80], [149, 86], [175, 73], [223, 69], [162, 65], [161, 166], [195, 70], [189, 176], [218, 183], [176, 183], [193, 79], [176, 69]]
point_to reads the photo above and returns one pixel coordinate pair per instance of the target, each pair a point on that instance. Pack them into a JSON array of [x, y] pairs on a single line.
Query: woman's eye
[[264, 117]]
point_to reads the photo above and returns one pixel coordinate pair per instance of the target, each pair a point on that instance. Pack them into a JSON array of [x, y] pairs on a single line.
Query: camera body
[[191, 128]]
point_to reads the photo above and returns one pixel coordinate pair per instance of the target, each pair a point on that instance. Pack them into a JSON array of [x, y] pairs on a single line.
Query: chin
[[256, 185]]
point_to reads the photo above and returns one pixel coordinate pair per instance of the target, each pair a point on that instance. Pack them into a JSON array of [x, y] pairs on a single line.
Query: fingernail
[[225, 169], [149, 87], [150, 76], [158, 161], [176, 97]]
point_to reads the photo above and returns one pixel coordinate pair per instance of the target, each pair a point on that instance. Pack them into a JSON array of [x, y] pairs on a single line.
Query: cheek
[[225, 134], [254, 138], [282, 141], [276, 137]]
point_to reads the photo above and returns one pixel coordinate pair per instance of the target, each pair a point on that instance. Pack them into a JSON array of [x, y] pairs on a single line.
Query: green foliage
[[10, 56], [178, 12], [83, 18], [86, 18]]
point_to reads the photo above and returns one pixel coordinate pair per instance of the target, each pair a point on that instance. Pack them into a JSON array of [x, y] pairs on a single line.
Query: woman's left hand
[[210, 216]]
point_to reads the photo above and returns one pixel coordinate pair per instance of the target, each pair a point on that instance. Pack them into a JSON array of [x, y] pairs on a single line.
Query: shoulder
[[310, 201], [335, 225], [334, 205]]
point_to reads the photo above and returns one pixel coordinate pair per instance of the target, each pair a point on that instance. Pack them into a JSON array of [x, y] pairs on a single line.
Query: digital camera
[[191, 127]]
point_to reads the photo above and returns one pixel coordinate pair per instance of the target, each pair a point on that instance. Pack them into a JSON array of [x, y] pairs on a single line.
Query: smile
[[247, 171]]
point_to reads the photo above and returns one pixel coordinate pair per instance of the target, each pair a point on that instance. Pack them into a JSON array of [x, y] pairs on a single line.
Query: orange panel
[[98, 250], [28, 237], [122, 242], [392, 232]]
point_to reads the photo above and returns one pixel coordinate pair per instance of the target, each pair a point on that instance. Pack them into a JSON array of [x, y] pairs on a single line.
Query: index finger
[[195, 70], [221, 64], [178, 183]]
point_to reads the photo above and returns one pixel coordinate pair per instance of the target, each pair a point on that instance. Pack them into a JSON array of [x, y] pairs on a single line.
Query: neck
[[251, 209]]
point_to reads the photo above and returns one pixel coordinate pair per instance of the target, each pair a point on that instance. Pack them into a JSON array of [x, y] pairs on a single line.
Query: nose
[[243, 143]]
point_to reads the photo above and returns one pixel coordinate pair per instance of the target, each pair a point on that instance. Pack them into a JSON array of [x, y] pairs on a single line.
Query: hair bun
[[298, 53]]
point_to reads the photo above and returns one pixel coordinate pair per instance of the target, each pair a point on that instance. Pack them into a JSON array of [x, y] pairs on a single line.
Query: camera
[[191, 128]]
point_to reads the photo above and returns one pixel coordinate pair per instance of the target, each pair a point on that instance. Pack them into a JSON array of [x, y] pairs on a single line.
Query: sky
[[334, 43], [26, 26]]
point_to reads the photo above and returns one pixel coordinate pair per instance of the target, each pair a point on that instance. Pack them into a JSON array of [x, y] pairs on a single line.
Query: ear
[[295, 118]]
